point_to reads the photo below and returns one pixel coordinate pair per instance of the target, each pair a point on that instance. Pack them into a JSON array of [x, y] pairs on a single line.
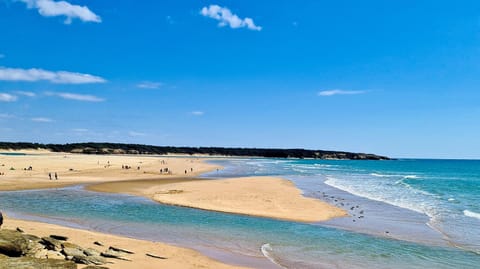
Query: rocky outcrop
[[25, 251], [34, 263]]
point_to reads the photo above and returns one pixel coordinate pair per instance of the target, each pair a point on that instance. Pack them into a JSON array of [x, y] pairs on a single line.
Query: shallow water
[[234, 238]]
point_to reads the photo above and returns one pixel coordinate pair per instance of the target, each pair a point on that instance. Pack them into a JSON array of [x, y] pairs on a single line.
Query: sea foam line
[[266, 250], [471, 214]]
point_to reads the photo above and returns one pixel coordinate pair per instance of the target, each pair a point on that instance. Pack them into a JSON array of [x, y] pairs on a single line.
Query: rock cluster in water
[[27, 251]]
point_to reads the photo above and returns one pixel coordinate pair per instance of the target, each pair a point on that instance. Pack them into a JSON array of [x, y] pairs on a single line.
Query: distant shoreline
[[138, 149]]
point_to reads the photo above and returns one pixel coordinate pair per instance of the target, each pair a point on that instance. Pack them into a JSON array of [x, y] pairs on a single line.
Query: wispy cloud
[[80, 130], [226, 17], [35, 74], [50, 8], [24, 93], [197, 113], [339, 92], [76, 96], [41, 119], [6, 97], [149, 85], [134, 133], [6, 116]]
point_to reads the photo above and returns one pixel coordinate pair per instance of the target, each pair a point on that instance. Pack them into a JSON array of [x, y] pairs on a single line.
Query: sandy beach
[[257, 196], [75, 169], [176, 257]]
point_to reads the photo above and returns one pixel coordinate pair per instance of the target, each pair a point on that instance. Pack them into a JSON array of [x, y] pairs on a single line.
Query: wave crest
[[471, 214]]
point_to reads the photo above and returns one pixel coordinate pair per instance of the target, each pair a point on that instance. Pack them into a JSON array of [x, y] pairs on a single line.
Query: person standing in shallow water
[[56, 176], [50, 176]]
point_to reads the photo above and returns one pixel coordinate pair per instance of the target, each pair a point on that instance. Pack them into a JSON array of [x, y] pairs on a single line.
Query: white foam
[[419, 207], [471, 214], [266, 251], [411, 177]]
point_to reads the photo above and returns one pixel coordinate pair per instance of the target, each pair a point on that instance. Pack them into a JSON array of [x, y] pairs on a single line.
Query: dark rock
[[95, 267], [51, 243], [121, 250], [33, 263], [19, 230], [59, 237], [155, 256], [98, 243]]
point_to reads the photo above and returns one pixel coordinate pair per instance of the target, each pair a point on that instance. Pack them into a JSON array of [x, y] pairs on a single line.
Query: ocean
[[403, 214]]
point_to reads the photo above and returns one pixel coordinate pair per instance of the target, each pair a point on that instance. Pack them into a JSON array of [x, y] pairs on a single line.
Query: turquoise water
[[292, 245]]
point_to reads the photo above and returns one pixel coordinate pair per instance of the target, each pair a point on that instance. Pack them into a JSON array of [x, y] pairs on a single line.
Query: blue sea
[[402, 214]]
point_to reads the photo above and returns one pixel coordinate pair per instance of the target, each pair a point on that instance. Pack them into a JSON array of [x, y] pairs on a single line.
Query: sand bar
[[256, 196]]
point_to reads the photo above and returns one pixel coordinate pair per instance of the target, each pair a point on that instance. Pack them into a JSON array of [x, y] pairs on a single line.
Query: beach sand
[[176, 257], [256, 196], [75, 169]]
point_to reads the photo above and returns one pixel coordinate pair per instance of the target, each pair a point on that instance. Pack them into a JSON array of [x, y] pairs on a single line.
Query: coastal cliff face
[[116, 148]]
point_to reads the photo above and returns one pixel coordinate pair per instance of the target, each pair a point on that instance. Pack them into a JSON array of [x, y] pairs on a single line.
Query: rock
[[91, 252], [155, 256], [121, 250], [51, 243], [113, 254], [3, 257], [96, 260], [70, 249], [19, 230], [34, 263], [59, 237], [98, 243], [95, 267], [13, 243]]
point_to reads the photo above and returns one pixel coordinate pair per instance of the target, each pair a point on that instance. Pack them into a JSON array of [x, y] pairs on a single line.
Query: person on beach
[[50, 176], [56, 176]]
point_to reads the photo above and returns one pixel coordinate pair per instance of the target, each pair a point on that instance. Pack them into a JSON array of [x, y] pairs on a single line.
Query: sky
[[396, 78]]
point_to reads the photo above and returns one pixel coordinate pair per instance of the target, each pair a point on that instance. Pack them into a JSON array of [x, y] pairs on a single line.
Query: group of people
[[50, 176]]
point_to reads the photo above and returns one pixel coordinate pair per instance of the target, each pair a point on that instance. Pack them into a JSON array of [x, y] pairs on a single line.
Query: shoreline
[[91, 170], [267, 197], [175, 256]]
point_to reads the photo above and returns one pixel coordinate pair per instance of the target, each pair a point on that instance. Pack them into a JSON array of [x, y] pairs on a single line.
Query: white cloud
[[50, 8], [133, 133], [76, 96], [35, 74], [197, 113], [226, 17], [80, 130], [6, 97], [41, 119], [24, 93], [149, 85], [6, 116], [339, 92]]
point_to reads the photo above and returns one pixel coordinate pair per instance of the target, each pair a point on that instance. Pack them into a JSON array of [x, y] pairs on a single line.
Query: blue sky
[[395, 78]]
